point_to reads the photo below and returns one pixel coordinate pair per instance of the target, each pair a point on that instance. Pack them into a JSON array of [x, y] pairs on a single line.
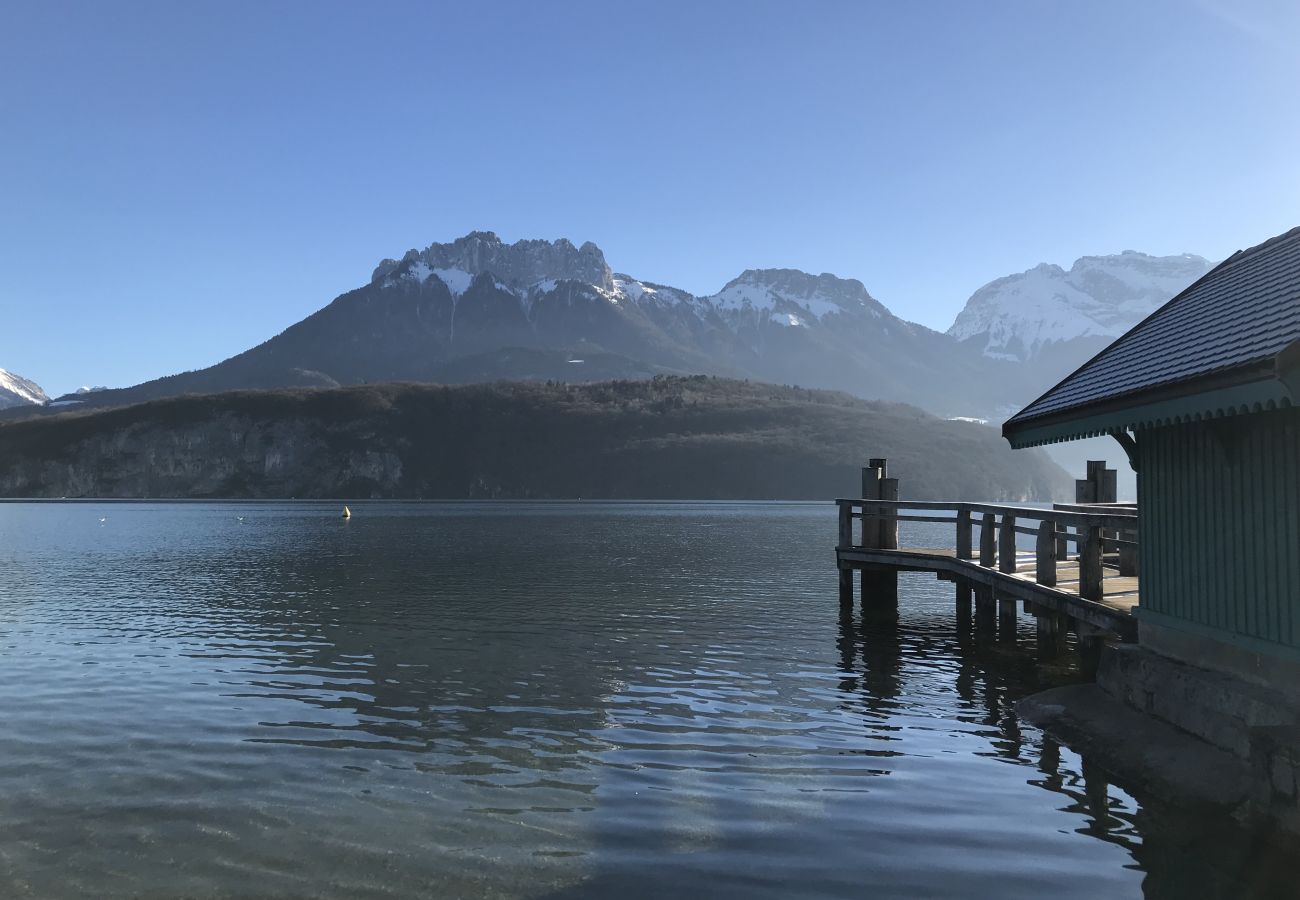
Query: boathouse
[[1204, 397]]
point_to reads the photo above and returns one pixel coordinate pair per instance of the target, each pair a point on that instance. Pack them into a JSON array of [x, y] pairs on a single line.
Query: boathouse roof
[[1229, 344]]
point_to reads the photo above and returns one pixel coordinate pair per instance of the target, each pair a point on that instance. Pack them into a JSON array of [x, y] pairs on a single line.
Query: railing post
[[1090, 571], [988, 546], [888, 516], [1128, 556], [1045, 554], [964, 535], [846, 524], [1062, 545], [1007, 544]]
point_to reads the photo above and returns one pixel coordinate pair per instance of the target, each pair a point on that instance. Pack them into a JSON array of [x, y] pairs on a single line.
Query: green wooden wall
[[1220, 539]]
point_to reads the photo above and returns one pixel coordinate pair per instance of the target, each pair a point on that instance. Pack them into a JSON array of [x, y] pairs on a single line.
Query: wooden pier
[[1080, 576]]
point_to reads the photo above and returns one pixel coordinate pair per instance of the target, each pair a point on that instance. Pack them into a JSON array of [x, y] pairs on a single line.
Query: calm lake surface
[[531, 700]]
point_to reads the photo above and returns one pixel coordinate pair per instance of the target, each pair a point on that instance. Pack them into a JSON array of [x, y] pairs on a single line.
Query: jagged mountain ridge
[[18, 391], [1020, 317], [479, 309]]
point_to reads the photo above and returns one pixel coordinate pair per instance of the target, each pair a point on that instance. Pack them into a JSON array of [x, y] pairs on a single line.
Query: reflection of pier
[[1081, 574]]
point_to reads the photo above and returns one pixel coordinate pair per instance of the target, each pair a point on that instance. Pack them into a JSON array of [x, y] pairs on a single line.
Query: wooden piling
[[871, 476], [964, 601], [1007, 618], [1052, 629], [888, 520], [846, 586]]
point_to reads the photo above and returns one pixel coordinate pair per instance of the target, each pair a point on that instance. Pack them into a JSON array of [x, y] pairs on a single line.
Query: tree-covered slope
[[668, 437]]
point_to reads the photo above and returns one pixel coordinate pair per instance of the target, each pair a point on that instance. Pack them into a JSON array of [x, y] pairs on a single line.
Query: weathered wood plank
[[1090, 569], [889, 522], [988, 545], [1007, 545], [964, 550], [1045, 554]]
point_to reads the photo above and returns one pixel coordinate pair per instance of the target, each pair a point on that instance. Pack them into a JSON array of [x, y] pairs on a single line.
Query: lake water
[[531, 700]]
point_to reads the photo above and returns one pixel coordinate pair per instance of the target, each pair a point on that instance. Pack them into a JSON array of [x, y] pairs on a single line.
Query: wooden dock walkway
[[1081, 575]]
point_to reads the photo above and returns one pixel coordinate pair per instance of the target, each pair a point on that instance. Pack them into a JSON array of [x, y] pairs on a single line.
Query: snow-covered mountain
[[1019, 317], [479, 309], [18, 391]]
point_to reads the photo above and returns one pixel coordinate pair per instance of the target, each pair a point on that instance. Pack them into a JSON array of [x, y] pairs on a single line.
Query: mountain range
[[479, 309], [1051, 320]]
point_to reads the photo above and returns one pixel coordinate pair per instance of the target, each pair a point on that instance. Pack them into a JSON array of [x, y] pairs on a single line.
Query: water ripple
[[524, 700]]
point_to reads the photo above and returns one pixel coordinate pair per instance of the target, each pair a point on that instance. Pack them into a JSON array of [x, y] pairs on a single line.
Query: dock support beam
[[965, 608], [880, 593], [1052, 629], [1006, 618]]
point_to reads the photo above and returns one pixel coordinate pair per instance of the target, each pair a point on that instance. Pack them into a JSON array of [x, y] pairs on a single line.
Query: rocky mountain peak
[[519, 264]]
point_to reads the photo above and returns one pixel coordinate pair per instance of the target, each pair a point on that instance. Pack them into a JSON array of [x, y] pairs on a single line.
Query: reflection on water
[[527, 700]]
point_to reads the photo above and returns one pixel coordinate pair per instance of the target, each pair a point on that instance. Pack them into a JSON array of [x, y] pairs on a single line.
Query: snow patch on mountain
[[632, 289], [1018, 316], [782, 293], [18, 391]]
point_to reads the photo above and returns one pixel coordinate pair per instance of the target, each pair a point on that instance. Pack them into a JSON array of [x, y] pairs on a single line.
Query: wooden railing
[[1095, 530]]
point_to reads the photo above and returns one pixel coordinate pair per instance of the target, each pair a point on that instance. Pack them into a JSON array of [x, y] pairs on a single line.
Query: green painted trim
[[1252, 397], [1232, 638]]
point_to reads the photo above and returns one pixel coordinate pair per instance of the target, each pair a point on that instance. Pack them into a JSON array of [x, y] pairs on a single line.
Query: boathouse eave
[[1257, 395]]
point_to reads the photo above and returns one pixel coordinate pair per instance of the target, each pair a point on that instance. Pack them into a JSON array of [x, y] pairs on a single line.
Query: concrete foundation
[[1257, 725]]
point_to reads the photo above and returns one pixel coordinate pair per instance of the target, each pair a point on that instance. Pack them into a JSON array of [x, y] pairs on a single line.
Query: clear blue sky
[[179, 181]]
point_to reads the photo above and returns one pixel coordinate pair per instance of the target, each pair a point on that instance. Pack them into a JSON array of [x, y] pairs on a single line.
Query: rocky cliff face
[[520, 265], [227, 455]]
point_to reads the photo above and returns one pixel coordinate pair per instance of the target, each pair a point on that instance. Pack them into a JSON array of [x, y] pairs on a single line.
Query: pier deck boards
[[1081, 574], [1114, 613]]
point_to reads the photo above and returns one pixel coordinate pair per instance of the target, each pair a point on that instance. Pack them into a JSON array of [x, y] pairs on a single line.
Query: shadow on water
[[1182, 854]]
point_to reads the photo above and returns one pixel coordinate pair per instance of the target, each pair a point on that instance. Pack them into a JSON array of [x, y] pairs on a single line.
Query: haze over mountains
[[478, 309]]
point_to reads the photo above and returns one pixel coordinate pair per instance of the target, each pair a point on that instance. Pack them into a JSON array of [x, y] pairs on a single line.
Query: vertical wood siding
[[1220, 505]]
